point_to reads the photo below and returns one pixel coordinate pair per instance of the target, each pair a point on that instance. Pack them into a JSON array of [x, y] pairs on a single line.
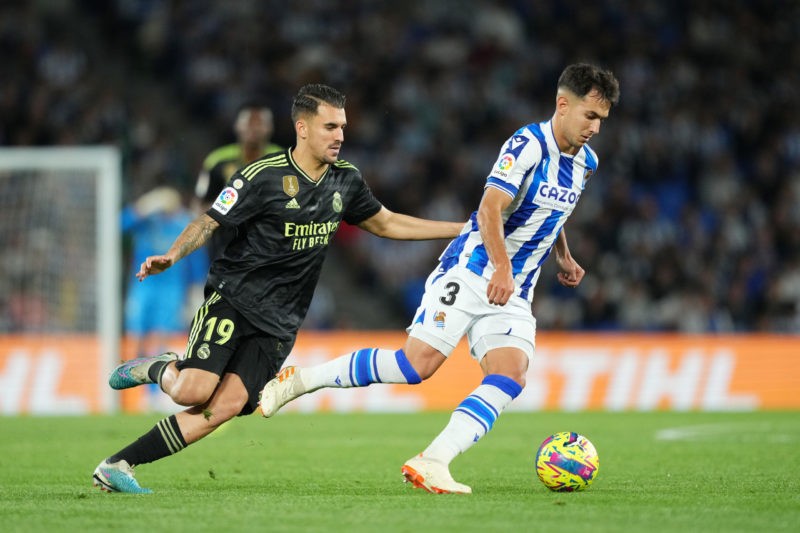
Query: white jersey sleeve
[[545, 185], [520, 153]]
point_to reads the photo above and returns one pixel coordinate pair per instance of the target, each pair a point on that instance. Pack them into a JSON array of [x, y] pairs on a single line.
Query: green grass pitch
[[327, 472]]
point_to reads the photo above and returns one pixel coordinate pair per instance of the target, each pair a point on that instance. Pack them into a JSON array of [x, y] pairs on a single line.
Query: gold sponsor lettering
[[312, 228], [309, 235]]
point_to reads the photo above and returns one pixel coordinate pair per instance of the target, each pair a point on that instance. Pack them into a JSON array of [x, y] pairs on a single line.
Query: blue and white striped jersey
[[545, 185]]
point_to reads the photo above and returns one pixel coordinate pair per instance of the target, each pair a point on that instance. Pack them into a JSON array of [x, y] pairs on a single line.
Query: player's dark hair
[[310, 96], [581, 78]]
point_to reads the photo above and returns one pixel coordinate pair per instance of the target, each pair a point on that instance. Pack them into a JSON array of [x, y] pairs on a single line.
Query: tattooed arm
[[191, 238]]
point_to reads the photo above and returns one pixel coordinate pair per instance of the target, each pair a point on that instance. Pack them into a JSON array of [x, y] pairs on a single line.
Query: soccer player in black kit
[[286, 208]]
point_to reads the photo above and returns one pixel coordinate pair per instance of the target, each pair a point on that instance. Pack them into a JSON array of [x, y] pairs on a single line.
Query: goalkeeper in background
[[253, 128], [286, 208], [158, 310]]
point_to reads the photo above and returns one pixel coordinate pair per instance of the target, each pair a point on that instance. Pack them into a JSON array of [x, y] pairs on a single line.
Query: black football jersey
[[218, 167], [284, 223]]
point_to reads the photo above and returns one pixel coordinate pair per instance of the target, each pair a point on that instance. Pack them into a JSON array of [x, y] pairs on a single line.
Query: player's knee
[[192, 387], [189, 395], [512, 364], [518, 375], [424, 359]]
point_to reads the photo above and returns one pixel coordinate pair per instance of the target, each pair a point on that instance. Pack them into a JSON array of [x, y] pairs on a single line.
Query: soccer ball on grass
[[567, 462]]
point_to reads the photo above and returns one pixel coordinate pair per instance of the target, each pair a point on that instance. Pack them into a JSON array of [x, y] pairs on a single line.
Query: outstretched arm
[[571, 273], [392, 225], [191, 238]]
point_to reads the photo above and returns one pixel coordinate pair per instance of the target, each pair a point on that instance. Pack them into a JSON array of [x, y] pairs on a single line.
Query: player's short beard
[[330, 160]]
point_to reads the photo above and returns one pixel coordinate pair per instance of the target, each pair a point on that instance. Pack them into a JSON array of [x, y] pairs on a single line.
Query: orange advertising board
[[579, 371], [571, 371], [53, 375]]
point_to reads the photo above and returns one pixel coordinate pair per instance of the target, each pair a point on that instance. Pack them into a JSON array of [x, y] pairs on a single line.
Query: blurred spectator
[[690, 225], [253, 127]]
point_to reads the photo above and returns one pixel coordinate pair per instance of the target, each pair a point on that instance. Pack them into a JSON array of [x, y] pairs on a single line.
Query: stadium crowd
[[690, 225]]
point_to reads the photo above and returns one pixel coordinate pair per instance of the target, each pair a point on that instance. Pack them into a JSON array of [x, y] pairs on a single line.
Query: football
[[567, 462]]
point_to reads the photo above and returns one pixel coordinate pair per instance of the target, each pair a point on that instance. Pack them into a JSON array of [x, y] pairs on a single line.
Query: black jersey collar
[[302, 172]]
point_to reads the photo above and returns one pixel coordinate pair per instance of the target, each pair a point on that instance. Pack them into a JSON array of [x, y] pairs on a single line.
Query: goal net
[[60, 296]]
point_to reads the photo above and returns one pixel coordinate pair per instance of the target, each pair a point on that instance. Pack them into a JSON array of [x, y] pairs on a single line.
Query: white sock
[[361, 368], [473, 418]]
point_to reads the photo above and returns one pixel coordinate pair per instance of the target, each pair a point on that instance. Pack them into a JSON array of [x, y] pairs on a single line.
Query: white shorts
[[455, 303]]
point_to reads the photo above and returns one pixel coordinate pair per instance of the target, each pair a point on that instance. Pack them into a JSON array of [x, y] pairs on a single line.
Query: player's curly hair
[[310, 96], [581, 78]]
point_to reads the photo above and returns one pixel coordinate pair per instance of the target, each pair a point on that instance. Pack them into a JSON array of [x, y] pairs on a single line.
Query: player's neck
[[558, 134], [310, 165]]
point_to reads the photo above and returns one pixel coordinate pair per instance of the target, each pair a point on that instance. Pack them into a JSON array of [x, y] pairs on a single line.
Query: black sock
[[164, 439], [156, 370]]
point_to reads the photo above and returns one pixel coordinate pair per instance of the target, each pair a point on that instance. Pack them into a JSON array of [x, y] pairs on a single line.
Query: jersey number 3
[[452, 289]]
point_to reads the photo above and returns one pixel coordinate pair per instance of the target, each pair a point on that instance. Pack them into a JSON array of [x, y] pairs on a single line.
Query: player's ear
[[301, 129], [562, 103]]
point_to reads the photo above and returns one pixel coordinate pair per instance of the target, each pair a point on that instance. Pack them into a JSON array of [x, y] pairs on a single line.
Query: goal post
[[60, 292]]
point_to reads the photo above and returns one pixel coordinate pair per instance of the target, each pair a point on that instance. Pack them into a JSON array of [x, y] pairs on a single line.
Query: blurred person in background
[[253, 128], [155, 312], [452, 85]]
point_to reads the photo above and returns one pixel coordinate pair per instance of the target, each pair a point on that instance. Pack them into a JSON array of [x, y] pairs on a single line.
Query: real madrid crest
[[337, 202], [290, 185], [204, 352]]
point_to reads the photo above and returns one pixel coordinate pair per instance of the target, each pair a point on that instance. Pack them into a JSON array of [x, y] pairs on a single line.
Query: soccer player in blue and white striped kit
[[483, 285]]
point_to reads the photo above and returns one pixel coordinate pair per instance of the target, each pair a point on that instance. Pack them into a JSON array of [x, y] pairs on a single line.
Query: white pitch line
[[712, 431]]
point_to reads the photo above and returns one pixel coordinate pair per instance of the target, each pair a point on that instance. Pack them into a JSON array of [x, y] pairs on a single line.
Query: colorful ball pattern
[[567, 462]]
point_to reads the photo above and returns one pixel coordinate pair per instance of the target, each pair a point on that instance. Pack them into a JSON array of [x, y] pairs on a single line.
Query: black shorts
[[222, 341]]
